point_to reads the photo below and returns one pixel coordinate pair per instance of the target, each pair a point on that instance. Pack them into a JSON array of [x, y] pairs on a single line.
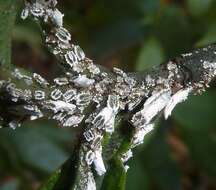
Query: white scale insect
[[83, 81], [63, 35], [72, 120], [39, 95], [61, 81], [90, 182], [57, 18], [29, 107], [27, 80], [60, 106], [140, 134], [98, 162], [25, 13], [156, 103], [96, 143], [56, 94], [17, 74], [27, 94], [177, 98], [95, 156], [152, 107], [37, 11], [69, 95], [83, 99], [89, 135], [14, 124], [16, 93], [71, 58], [10, 87], [34, 111], [39, 79], [93, 69], [126, 156], [106, 117], [59, 116], [89, 157], [79, 53]]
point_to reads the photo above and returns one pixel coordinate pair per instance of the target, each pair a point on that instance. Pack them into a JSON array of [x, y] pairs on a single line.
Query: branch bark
[[114, 110]]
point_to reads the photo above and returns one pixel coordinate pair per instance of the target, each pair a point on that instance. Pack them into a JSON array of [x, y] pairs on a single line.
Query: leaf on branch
[[150, 55], [7, 18]]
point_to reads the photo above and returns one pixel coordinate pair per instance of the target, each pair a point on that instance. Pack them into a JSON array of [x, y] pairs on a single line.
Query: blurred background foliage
[[135, 36]]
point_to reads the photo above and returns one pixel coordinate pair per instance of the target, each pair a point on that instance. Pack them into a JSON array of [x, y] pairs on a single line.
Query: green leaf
[[51, 182], [198, 7], [7, 18], [149, 6], [10, 185], [201, 145], [115, 37], [197, 119], [157, 161], [151, 54], [136, 176], [174, 31], [64, 178], [209, 37], [29, 34], [198, 112], [37, 149]]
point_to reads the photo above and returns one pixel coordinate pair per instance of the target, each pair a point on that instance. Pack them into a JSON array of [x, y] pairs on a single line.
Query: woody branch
[[92, 98]]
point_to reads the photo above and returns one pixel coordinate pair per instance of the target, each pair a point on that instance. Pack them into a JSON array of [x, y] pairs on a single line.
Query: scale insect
[[56, 94]]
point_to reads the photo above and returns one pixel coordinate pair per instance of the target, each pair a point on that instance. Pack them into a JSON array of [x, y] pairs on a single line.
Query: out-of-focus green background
[[134, 35]]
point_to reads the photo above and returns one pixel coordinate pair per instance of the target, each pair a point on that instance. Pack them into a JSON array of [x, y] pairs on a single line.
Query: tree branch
[[98, 101]]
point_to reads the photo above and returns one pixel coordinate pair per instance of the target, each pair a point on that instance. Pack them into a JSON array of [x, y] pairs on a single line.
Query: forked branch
[[96, 100]]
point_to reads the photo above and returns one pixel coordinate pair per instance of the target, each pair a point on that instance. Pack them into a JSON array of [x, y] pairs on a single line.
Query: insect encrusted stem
[[93, 98]]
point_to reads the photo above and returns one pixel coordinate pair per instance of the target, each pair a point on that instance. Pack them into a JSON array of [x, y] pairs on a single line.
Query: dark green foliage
[[7, 18]]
